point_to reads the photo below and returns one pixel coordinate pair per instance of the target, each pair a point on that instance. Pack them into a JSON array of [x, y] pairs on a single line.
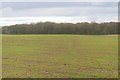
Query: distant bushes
[[63, 28]]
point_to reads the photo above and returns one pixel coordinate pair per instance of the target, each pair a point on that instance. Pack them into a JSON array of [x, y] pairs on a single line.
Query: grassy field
[[56, 56]]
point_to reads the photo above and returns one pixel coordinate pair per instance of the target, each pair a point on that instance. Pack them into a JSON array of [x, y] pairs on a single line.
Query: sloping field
[[56, 56]]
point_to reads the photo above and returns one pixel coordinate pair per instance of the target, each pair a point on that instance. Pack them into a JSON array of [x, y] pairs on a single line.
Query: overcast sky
[[26, 12]]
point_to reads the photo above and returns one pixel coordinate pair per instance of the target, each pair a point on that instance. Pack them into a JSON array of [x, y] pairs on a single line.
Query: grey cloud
[[69, 11], [28, 5]]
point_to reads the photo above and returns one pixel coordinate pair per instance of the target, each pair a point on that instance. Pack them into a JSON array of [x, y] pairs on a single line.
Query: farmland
[[56, 56]]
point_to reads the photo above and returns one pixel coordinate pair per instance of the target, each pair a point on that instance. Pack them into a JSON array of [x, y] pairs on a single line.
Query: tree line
[[63, 28]]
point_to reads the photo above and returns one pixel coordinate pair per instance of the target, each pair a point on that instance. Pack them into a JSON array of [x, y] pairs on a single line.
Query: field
[[56, 56]]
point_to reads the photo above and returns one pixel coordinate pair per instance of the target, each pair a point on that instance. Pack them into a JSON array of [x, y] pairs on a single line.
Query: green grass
[[60, 56]]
